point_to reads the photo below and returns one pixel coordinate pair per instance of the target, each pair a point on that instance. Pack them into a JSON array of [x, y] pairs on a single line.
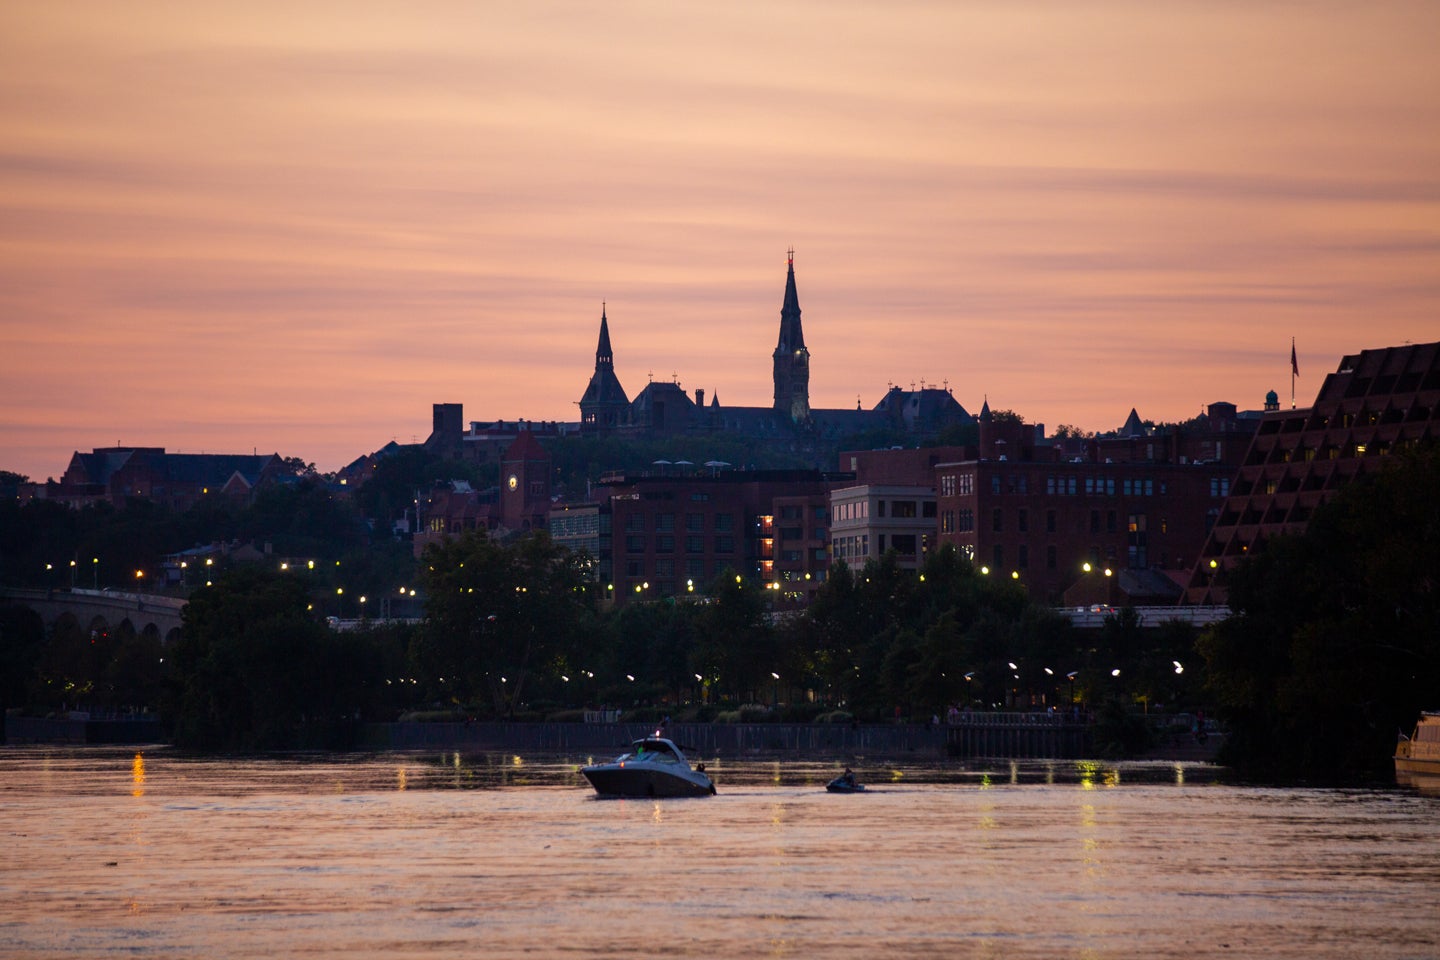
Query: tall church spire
[[604, 407], [792, 360]]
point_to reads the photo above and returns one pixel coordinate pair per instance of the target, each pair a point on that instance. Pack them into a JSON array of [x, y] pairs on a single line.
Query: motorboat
[[1419, 753], [845, 783], [653, 767]]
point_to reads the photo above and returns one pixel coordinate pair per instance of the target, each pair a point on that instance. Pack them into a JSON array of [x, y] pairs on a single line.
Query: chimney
[[700, 396]]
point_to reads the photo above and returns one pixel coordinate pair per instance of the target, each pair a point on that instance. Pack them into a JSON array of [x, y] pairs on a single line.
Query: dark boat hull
[[610, 781]]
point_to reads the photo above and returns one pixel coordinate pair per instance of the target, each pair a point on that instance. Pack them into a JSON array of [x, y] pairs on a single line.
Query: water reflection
[[1424, 783], [503, 855]]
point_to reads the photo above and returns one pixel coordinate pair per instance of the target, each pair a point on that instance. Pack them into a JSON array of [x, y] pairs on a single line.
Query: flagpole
[[1295, 372]]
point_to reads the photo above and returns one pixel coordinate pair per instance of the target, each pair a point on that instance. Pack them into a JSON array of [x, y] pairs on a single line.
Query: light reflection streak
[[1089, 842], [137, 775]]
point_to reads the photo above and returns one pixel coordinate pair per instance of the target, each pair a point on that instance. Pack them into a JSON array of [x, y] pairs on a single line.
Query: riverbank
[[1007, 736], [997, 736]]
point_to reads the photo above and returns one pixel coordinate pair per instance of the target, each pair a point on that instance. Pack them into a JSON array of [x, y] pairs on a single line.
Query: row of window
[[1070, 486], [665, 543], [894, 509], [665, 522], [694, 569], [853, 548], [957, 484]]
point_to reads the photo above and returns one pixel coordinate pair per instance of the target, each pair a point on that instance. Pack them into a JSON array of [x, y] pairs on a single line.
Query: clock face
[[513, 482]]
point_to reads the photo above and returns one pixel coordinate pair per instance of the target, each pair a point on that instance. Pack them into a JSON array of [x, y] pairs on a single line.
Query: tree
[[1334, 644], [254, 669], [22, 637], [297, 467], [734, 649], [497, 613]]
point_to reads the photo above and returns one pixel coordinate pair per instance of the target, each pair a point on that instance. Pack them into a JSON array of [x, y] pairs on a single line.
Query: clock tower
[[524, 484]]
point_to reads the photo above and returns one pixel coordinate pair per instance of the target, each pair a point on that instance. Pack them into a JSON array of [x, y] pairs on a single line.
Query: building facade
[[1375, 403], [673, 535], [867, 521]]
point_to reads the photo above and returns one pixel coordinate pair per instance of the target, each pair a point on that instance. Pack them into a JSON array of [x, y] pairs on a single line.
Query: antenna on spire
[[790, 257]]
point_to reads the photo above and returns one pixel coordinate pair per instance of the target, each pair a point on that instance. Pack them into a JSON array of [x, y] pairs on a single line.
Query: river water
[[116, 852]]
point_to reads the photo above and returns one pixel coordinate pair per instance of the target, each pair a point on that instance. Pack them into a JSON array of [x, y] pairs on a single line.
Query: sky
[[292, 227]]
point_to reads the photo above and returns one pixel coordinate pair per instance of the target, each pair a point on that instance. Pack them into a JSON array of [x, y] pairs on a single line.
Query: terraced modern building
[[1377, 402]]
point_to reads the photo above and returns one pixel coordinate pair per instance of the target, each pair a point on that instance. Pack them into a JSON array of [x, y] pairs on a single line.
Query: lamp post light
[[95, 571], [775, 702], [1071, 677]]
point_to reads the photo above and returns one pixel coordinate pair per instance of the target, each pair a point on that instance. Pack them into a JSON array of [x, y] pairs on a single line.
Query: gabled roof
[[208, 469]]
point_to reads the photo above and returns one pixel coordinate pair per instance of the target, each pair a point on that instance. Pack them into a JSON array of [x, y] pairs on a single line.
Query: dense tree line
[[44, 544], [1335, 642]]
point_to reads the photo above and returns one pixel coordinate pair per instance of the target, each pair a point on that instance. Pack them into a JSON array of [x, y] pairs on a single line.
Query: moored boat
[[654, 767], [1419, 753]]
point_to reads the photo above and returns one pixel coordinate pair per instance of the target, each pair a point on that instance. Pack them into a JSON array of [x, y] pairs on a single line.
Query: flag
[[1294, 364]]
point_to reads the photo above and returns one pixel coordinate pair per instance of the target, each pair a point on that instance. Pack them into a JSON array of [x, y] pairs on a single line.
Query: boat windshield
[[654, 751]]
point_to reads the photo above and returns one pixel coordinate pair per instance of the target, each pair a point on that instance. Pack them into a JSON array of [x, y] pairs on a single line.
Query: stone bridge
[[102, 609]]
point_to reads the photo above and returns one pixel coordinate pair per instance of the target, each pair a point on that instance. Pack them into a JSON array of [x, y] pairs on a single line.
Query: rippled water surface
[[111, 852]]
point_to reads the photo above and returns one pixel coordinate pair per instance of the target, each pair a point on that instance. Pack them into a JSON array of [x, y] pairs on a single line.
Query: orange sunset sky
[[292, 227]]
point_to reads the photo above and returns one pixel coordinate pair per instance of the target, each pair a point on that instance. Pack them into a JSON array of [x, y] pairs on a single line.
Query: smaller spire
[[603, 353]]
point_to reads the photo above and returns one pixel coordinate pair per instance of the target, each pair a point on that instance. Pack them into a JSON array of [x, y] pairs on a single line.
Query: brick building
[[178, 481], [673, 535]]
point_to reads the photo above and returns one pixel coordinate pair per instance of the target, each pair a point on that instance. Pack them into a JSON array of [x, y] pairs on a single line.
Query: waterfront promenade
[[1019, 736]]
